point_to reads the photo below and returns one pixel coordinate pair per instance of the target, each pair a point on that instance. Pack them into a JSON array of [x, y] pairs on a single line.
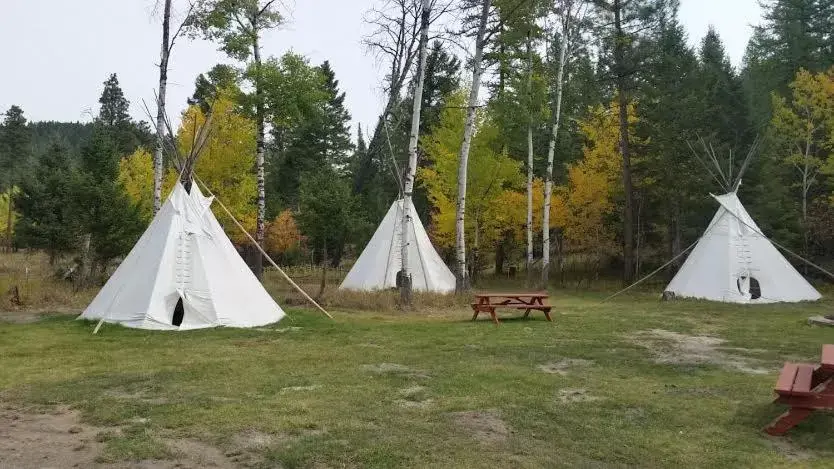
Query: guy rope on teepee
[[184, 272]]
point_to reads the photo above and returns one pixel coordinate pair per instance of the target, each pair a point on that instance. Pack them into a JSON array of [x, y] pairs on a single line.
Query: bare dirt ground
[[58, 440], [485, 426], [680, 349]]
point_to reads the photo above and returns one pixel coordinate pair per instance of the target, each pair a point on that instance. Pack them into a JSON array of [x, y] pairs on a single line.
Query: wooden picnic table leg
[[787, 420], [793, 416], [494, 316], [477, 312]]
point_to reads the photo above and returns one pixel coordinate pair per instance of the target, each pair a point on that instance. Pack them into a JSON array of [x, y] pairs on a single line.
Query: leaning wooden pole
[[281, 271]]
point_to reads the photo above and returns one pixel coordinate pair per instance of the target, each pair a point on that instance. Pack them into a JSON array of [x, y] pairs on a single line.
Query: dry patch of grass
[[670, 347], [29, 288]]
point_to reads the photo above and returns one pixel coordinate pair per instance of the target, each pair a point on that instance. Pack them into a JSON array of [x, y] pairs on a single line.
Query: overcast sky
[[57, 53]]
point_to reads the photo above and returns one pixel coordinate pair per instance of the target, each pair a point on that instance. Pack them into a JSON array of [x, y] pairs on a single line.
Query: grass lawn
[[630, 383]]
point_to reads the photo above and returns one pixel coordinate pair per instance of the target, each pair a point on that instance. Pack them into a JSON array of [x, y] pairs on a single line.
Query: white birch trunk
[[259, 158], [529, 161], [529, 203], [551, 150], [462, 283], [165, 52], [405, 286]]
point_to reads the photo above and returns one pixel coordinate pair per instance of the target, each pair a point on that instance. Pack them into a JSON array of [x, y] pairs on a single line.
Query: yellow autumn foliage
[[4, 214], [282, 234], [225, 165], [583, 206]]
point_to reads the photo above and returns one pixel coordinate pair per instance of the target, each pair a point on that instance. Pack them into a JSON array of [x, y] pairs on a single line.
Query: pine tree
[[335, 125], [722, 112], [114, 117], [15, 139], [207, 87], [625, 27], [114, 106], [795, 34], [46, 220], [670, 180]]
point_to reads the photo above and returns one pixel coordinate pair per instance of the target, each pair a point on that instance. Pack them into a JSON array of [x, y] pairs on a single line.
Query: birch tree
[[411, 169], [395, 40], [165, 53], [238, 25], [570, 14], [481, 38], [803, 131]]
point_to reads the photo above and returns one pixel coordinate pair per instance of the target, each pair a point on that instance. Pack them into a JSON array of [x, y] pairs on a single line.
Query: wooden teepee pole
[[281, 271]]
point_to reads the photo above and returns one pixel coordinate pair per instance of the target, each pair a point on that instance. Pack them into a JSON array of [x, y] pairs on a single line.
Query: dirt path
[[58, 440]]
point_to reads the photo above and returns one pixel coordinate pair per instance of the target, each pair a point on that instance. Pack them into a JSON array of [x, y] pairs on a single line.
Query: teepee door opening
[[179, 313]]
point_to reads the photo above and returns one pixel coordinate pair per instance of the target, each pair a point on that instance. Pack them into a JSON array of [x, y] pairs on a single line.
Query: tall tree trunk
[[529, 160], [84, 267], [405, 285], [323, 284], [165, 52], [9, 224], [462, 283], [551, 150], [628, 214], [257, 258]]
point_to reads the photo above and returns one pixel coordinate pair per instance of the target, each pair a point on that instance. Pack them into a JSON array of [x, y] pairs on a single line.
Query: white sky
[[57, 53]]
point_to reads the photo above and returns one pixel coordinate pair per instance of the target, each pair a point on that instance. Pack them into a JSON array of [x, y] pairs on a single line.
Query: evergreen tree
[[104, 211], [115, 108], [15, 138], [670, 179], [44, 204], [795, 34], [626, 29], [207, 86], [114, 116], [335, 122], [327, 215]]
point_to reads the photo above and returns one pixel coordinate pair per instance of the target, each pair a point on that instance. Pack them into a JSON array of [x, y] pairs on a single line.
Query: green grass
[[317, 386]]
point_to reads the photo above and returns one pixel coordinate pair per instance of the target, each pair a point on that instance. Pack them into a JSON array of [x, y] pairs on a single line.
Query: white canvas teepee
[[379, 263], [184, 255], [734, 262]]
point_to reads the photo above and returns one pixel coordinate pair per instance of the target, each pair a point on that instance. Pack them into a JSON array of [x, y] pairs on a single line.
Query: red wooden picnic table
[[488, 302], [805, 387]]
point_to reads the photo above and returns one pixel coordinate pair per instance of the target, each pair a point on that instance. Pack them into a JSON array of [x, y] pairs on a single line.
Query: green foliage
[[310, 125], [114, 117], [235, 24], [100, 203], [15, 152], [328, 214], [208, 86], [45, 203], [795, 34]]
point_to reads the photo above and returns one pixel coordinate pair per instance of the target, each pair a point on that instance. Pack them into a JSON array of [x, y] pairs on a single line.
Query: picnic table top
[[539, 294]]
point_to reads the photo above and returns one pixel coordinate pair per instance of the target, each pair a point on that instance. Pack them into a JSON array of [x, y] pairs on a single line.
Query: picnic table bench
[[488, 302], [804, 387]]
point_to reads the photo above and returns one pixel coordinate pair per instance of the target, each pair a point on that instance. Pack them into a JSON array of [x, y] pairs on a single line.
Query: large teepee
[[377, 266], [184, 273], [734, 261]]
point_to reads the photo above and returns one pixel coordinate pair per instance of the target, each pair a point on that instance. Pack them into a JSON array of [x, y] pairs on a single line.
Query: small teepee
[[184, 273], [379, 263], [734, 261]]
